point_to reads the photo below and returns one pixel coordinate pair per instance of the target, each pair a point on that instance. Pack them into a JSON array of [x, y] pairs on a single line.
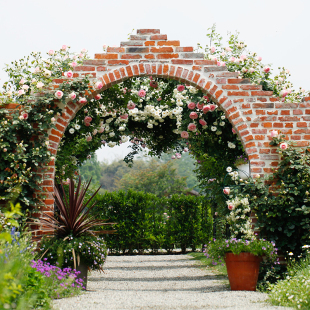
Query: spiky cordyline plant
[[75, 218]]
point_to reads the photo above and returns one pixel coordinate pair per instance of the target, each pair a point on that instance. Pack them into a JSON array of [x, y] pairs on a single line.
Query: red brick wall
[[252, 112]]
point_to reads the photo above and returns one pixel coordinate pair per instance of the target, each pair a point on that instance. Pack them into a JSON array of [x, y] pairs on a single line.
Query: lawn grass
[[200, 258]]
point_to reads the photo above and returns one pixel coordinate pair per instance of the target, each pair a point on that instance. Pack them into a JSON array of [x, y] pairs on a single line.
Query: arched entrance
[[252, 112]]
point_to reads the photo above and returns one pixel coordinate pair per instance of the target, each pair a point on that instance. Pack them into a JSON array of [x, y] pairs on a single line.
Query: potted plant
[[243, 252], [243, 165], [242, 258], [70, 238]]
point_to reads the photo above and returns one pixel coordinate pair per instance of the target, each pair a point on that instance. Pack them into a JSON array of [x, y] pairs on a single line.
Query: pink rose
[[73, 64], [59, 94], [40, 85], [153, 84], [124, 116], [97, 97], [283, 146], [212, 107], [228, 49], [193, 115], [184, 134], [258, 58], [202, 122], [87, 119], [98, 85], [185, 149], [233, 131], [191, 127], [141, 93], [101, 130], [64, 47], [5, 150], [68, 74], [226, 190], [218, 63], [51, 52], [206, 98], [21, 92], [223, 64], [191, 105], [172, 157], [284, 93], [22, 81], [266, 69], [89, 138], [231, 207], [180, 88], [84, 50], [232, 59], [243, 57], [251, 70], [83, 100], [37, 70], [206, 109], [131, 105], [25, 115], [200, 106], [72, 96], [244, 70], [212, 49], [273, 133]]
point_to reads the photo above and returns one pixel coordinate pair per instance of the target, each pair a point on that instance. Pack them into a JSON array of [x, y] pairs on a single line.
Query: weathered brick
[[167, 56], [149, 43], [105, 56], [84, 68], [165, 49], [214, 69], [158, 37], [192, 55], [135, 37], [137, 49], [231, 87], [237, 93], [148, 31], [184, 49], [115, 50], [181, 62], [239, 81], [168, 43], [131, 56]]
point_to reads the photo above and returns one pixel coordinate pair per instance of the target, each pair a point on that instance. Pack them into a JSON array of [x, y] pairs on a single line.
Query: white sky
[[276, 29]]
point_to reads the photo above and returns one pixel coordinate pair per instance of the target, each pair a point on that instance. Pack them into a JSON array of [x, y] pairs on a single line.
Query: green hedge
[[145, 221]]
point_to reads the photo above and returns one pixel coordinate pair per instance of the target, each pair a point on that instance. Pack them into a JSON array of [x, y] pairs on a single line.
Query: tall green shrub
[[145, 221]]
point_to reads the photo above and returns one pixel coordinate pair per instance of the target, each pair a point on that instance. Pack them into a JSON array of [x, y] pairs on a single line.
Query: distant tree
[[159, 179]]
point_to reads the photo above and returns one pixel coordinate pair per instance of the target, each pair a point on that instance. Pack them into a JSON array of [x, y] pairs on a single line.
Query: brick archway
[[252, 112]]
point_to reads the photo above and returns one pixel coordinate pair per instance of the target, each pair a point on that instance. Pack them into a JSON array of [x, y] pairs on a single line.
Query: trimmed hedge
[[145, 221]]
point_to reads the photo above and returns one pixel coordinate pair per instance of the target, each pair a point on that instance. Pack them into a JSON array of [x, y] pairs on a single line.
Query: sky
[[276, 29]]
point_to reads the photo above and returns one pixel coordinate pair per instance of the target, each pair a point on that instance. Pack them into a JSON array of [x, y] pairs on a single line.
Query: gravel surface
[[160, 282]]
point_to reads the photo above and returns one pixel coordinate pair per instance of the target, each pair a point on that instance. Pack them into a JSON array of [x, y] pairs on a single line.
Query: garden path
[[160, 282]]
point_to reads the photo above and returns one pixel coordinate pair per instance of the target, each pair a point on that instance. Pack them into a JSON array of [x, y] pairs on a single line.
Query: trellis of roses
[[237, 58]]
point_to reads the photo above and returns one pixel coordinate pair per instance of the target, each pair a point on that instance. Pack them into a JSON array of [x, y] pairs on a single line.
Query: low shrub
[[145, 221], [293, 291]]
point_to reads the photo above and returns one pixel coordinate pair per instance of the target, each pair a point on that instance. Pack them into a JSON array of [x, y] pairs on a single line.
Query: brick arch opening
[[252, 112]]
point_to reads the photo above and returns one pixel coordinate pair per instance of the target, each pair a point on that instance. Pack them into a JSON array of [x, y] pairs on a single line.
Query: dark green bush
[[145, 221]]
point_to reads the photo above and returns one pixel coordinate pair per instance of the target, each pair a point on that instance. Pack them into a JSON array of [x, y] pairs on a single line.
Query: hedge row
[[145, 221]]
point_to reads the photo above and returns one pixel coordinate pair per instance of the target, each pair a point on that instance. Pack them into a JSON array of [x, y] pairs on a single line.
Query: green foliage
[[281, 201], [69, 252], [145, 221], [293, 291], [158, 179], [21, 287], [216, 249]]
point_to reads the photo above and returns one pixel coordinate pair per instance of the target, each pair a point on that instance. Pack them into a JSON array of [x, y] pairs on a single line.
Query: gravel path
[[160, 282]]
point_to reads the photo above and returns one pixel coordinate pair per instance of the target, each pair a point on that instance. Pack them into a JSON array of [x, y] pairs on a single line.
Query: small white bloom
[[229, 169], [71, 130]]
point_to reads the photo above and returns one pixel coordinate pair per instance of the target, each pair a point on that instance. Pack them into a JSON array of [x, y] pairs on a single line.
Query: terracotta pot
[[83, 268], [242, 271]]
